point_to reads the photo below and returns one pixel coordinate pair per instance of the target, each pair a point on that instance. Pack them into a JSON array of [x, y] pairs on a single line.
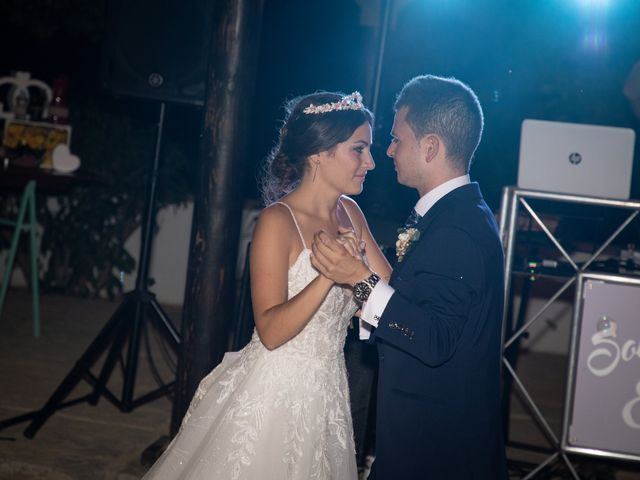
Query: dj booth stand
[[513, 199]]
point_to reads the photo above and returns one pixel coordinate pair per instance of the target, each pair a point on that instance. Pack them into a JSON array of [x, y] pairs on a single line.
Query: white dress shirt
[[373, 308]]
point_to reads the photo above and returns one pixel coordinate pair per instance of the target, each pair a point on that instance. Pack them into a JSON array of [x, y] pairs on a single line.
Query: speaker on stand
[[155, 50], [158, 50]]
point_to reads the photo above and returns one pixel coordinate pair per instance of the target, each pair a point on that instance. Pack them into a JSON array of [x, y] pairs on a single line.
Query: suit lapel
[[422, 227], [469, 192]]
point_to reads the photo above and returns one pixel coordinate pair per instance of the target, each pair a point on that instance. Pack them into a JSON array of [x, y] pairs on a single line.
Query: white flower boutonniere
[[406, 237]]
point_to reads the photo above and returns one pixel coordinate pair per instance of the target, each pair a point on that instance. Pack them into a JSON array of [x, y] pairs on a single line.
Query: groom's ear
[[429, 147]]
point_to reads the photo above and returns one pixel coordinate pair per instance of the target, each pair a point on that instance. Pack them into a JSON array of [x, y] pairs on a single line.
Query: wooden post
[[209, 297]]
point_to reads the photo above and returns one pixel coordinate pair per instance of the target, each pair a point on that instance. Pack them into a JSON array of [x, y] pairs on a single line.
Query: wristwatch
[[362, 290]]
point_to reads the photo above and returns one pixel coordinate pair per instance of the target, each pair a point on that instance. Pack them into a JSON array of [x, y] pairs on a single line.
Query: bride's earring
[[315, 171]]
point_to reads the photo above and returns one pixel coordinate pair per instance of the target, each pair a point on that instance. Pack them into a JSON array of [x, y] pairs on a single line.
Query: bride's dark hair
[[304, 134]]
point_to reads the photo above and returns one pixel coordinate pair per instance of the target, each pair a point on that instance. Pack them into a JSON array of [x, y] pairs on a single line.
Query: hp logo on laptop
[[575, 158]]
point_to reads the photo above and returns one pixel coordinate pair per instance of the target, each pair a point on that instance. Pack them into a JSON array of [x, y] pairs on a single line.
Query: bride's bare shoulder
[[275, 216], [274, 226]]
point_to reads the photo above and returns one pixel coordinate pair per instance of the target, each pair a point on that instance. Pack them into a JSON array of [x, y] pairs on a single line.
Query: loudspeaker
[[158, 49]]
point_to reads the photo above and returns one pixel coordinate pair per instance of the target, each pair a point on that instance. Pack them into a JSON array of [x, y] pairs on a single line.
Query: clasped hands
[[340, 258]]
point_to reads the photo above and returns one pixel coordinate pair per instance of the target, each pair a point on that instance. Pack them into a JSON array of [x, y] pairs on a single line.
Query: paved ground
[[100, 442], [82, 441]]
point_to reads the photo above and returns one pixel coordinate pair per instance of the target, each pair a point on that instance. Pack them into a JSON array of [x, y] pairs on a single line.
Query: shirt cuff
[[373, 308]]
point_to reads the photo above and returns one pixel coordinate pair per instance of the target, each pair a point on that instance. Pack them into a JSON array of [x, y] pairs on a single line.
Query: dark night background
[[557, 60], [562, 60]]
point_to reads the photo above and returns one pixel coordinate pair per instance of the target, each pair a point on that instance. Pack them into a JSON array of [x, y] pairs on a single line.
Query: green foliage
[[84, 234], [84, 229]]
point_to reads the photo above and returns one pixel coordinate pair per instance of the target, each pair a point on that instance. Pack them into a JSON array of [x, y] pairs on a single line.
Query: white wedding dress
[[273, 415]]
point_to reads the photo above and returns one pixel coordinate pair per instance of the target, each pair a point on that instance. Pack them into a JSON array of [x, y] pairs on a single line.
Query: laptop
[[588, 160]]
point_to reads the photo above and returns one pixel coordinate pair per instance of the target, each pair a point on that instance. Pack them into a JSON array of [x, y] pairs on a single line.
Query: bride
[[279, 408]]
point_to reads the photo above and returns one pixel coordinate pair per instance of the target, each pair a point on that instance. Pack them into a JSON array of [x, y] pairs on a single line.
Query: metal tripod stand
[[128, 321]]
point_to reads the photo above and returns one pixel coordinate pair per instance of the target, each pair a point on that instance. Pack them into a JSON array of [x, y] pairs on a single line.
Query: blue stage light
[[595, 4]]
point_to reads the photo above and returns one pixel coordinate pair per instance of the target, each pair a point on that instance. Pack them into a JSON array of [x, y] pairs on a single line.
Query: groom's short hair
[[445, 107]]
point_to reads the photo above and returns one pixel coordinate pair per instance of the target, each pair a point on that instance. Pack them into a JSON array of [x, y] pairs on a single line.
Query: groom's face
[[404, 149]]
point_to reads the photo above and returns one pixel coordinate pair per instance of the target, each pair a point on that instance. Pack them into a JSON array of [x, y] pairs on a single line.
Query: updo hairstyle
[[303, 135]]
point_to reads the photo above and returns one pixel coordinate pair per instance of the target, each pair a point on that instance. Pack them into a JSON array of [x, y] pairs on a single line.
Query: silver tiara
[[348, 102]]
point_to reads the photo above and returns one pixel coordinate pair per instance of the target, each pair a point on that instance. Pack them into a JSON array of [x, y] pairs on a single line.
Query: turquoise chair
[[27, 202]]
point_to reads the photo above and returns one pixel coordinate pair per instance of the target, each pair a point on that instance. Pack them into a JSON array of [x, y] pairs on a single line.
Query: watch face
[[361, 291]]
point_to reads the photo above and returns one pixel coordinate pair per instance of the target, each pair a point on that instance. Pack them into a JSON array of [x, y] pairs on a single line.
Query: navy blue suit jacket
[[439, 345]]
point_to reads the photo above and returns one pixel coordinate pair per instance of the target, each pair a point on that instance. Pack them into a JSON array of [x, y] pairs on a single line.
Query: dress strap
[[353, 225], [294, 221]]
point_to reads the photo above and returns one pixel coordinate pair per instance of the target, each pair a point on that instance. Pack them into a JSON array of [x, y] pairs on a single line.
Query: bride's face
[[346, 165]]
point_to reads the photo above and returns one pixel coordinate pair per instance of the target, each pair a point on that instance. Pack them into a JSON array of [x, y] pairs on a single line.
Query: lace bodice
[[323, 337]]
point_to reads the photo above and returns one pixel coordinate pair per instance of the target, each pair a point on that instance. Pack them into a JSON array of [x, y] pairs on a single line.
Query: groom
[[437, 323]]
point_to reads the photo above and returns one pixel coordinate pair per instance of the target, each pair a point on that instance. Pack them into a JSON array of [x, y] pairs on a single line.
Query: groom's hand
[[335, 262]]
